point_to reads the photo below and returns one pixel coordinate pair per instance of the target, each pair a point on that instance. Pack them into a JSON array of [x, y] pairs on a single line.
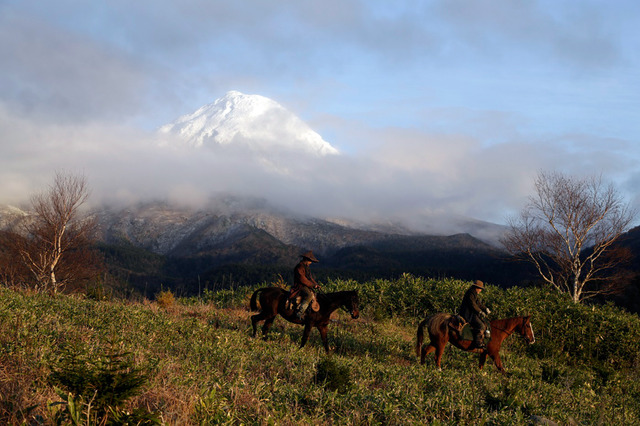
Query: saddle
[[457, 323], [466, 333]]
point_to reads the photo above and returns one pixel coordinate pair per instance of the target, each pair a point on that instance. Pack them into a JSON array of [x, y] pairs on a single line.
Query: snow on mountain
[[254, 121], [11, 216]]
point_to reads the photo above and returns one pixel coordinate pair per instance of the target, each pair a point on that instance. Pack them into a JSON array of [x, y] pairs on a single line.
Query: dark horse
[[273, 302], [443, 328]]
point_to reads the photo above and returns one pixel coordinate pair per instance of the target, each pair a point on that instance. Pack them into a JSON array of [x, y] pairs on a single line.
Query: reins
[[508, 333]]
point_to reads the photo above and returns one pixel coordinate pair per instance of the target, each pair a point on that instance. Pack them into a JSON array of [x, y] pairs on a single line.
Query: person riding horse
[[471, 309], [303, 283]]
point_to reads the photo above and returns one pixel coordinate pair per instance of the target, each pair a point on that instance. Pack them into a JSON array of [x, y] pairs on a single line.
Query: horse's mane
[[436, 321], [507, 323]]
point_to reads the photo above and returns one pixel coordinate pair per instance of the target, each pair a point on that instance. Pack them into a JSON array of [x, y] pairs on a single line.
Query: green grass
[[202, 366]]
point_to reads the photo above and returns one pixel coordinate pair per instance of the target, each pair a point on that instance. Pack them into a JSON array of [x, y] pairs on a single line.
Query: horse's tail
[[253, 303], [420, 336]]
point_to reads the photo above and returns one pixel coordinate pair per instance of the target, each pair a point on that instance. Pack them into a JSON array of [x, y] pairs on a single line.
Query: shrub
[[576, 333], [333, 376], [165, 299], [96, 386], [98, 292], [407, 296]]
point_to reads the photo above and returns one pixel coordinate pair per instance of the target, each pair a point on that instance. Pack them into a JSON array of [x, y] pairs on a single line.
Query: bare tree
[[568, 230], [58, 233]]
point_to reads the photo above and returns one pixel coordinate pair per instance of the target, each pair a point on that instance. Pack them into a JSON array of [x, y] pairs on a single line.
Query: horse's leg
[[493, 351], [323, 335], [483, 358], [426, 350], [438, 355], [305, 334], [255, 319], [496, 359], [440, 344], [267, 326]]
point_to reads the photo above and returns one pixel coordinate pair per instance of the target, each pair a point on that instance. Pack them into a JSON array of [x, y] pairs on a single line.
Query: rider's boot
[[302, 308], [300, 313], [478, 341]]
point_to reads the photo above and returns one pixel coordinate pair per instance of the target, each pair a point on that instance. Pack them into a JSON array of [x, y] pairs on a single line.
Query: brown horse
[[273, 302], [445, 328]]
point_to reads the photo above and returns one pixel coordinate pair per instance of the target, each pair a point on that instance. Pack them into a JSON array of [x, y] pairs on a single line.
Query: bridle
[[348, 310], [343, 307]]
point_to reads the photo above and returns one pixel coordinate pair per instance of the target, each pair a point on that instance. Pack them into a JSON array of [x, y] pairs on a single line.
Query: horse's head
[[352, 305], [526, 330]]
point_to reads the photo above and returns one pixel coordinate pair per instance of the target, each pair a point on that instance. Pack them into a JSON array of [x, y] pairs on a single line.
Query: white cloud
[[57, 76], [402, 174]]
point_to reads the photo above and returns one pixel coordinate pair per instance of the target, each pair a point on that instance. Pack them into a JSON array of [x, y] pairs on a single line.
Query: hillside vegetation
[[73, 360]]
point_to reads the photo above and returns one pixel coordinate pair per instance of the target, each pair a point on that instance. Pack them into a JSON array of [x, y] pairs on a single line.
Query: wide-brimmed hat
[[479, 284], [309, 255]]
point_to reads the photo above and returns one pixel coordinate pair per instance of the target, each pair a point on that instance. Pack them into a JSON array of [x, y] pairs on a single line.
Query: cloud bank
[[404, 176]]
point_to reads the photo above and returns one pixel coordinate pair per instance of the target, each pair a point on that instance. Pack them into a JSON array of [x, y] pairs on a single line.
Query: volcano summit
[[254, 121]]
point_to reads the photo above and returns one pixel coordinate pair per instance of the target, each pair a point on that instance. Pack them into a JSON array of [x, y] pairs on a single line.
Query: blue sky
[[447, 106]]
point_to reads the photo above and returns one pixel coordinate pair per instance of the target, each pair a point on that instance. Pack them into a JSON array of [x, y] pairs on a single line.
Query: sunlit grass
[[206, 369]]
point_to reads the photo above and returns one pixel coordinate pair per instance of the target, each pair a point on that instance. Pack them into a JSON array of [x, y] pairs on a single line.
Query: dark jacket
[[302, 277], [471, 306]]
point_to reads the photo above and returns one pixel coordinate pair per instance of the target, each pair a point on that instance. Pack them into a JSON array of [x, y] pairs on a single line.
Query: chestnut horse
[[273, 301], [443, 328]]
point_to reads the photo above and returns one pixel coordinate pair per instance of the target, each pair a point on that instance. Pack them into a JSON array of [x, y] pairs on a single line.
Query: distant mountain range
[[231, 236], [181, 231], [250, 232]]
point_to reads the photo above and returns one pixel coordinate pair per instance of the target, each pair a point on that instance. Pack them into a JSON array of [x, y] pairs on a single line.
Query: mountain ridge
[[163, 228], [234, 231]]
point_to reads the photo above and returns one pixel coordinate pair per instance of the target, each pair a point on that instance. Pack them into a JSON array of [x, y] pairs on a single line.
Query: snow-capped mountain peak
[[251, 120]]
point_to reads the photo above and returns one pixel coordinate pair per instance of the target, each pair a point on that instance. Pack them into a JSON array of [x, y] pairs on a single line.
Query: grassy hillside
[[192, 361]]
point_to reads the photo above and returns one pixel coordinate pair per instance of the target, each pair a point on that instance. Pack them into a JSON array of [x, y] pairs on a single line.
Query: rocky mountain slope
[[250, 232], [180, 231]]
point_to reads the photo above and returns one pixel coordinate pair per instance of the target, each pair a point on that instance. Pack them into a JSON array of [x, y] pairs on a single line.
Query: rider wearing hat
[[471, 310], [303, 282]]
